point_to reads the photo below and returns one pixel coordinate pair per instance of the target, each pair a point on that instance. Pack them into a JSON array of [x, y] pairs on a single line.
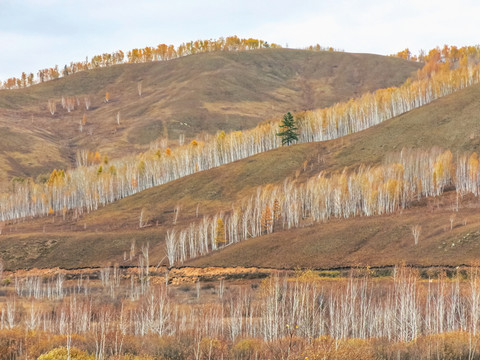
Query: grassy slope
[[451, 122], [191, 95], [366, 241]]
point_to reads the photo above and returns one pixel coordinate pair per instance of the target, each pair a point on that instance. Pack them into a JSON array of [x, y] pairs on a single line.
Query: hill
[[179, 98], [451, 122]]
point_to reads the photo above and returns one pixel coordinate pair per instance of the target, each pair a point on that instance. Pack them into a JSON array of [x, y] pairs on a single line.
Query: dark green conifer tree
[[288, 134]]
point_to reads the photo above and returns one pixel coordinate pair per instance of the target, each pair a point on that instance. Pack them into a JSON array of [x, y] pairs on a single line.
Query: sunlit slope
[[451, 122], [186, 96], [376, 241]]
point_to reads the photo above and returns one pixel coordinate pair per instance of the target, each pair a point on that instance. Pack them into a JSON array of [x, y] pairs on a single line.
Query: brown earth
[[158, 274]]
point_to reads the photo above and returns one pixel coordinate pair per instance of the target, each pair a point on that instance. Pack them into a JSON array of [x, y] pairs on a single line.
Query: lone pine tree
[[288, 125]]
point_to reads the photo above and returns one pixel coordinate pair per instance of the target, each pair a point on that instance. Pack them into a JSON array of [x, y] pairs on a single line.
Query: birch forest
[[366, 191], [93, 183], [236, 198], [281, 317]]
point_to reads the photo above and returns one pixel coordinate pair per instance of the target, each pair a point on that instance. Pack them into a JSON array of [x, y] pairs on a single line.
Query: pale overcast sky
[[35, 34]]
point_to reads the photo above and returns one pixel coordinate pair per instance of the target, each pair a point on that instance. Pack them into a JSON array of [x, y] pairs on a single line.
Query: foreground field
[[145, 312]]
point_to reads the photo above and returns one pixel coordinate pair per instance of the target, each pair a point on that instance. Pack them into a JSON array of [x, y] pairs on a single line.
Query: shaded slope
[[205, 92]]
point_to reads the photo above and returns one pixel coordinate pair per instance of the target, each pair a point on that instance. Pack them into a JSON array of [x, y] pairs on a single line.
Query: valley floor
[[240, 313]]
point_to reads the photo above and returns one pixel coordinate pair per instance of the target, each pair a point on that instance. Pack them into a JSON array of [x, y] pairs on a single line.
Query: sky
[[35, 34]]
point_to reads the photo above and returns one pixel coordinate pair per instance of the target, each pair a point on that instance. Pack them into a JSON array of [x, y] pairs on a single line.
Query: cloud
[[380, 27], [25, 52], [60, 31]]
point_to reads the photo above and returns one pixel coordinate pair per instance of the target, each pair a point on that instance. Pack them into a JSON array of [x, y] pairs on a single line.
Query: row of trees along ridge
[[162, 52]]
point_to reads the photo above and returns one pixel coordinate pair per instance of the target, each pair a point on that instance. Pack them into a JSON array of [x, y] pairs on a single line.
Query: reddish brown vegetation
[[278, 318]]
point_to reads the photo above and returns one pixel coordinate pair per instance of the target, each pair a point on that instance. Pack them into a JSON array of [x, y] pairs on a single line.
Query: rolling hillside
[[182, 97], [451, 122]]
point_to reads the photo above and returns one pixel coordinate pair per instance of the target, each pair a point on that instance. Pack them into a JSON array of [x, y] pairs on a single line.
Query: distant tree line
[[141, 55], [448, 55]]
